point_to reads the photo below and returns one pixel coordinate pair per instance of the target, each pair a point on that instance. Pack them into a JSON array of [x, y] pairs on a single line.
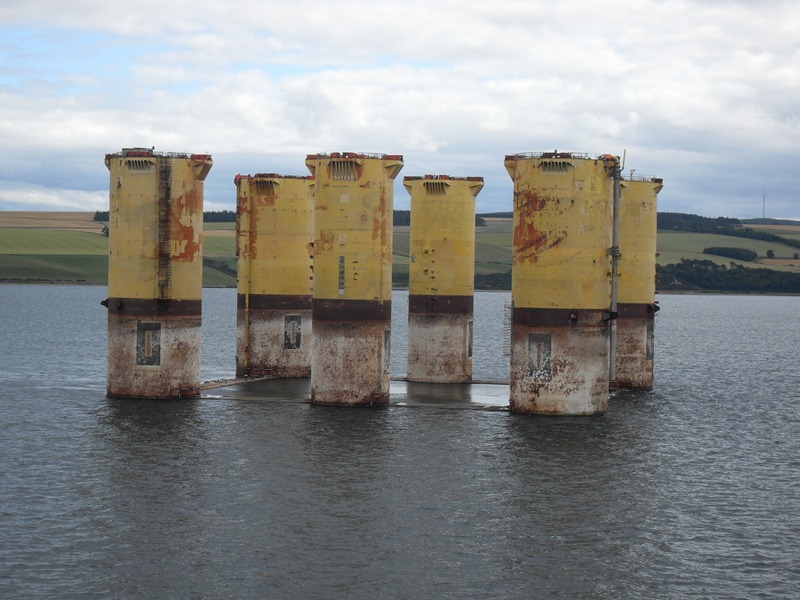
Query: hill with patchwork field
[[71, 247]]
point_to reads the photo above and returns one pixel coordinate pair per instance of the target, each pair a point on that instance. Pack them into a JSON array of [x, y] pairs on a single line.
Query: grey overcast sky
[[704, 93]]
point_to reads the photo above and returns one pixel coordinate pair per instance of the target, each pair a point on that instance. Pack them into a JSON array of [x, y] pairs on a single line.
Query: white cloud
[[702, 93], [33, 197]]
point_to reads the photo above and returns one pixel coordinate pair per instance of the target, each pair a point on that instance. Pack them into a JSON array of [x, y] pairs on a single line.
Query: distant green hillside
[[705, 275], [51, 241], [68, 250]]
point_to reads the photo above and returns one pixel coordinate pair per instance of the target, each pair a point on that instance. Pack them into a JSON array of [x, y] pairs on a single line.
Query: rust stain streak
[[186, 238]]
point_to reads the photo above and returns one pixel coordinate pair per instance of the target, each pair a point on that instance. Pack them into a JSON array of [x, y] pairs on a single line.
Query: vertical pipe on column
[[560, 282], [274, 236], [352, 277], [637, 283], [155, 273], [613, 252], [441, 277], [243, 271]]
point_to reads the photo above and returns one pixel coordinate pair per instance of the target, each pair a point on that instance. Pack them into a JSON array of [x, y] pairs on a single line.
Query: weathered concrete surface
[[350, 362], [440, 348], [635, 340], [559, 369], [273, 342], [153, 357]]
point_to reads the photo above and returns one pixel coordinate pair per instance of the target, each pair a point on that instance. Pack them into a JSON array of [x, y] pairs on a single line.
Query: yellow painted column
[[352, 277], [155, 273], [274, 235], [441, 277], [560, 282], [637, 283]]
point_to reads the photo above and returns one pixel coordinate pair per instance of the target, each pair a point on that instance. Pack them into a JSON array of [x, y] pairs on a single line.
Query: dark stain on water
[[690, 490]]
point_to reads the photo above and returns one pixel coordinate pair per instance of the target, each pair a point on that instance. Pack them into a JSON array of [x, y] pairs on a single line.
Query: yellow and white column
[[636, 285], [441, 277], [561, 282], [155, 273], [274, 235], [353, 214]]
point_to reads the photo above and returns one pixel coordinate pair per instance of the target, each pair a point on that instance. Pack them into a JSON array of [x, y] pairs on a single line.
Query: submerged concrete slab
[[470, 396]]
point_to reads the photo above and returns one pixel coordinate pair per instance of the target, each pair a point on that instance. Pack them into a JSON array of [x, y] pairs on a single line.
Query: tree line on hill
[[706, 275], [694, 223], [686, 276], [721, 226], [770, 222], [209, 216], [743, 254]]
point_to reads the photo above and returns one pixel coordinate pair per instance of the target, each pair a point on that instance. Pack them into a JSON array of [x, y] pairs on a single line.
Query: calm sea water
[[689, 491]]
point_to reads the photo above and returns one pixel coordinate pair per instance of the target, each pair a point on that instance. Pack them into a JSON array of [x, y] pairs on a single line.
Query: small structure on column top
[[352, 277], [561, 282], [155, 273], [274, 234], [441, 276], [637, 283]]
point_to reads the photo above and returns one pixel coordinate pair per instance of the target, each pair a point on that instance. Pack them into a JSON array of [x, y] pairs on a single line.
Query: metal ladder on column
[[164, 227]]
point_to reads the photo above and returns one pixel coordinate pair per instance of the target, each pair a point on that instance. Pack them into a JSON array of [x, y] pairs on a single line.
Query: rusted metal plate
[[274, 301], [155, 273], [144, 307], [186, 222], [351, 310], [636, 311], [274, 234], [559, 369], [562, 231], [442, 235], [350, 361], [440, 304], [440, 348], [353, 226], [637, 241], [531, 238], [559, 317]]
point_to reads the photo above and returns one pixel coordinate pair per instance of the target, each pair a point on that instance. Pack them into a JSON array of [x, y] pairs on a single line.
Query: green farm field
[[70, 248], [52, 241], [787, 231], [42, 247], [675, 245]]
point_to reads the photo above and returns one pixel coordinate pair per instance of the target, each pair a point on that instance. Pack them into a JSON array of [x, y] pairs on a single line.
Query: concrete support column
[[635, 344], [353, 214], [274, 235], [560, 282], [441, 277], [155, 273], [559, 361], [636, 286]]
